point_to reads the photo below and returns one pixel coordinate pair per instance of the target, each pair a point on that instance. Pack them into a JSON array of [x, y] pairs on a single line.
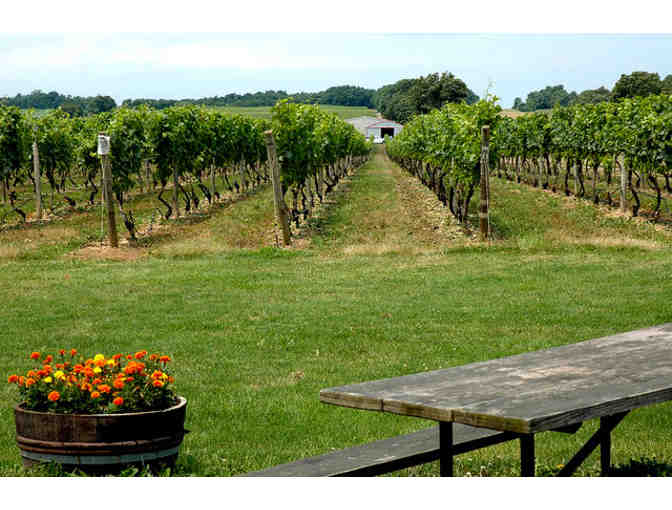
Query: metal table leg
[[446, 446], [527, 459]]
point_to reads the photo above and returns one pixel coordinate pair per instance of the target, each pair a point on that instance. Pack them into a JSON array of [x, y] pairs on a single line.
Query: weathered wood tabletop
[[531, 392]]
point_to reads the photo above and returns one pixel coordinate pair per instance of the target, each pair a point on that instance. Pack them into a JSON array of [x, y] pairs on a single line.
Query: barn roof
[[384, 121]]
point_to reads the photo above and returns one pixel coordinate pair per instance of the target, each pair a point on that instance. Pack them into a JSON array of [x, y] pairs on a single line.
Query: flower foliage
[[71, 383]]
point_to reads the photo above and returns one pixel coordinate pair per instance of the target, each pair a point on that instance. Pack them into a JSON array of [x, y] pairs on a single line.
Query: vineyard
[[613, 153], [383, 278], [186, 157]]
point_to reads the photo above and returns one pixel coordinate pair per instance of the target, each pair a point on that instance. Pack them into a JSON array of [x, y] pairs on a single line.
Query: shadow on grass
[[643, 467]]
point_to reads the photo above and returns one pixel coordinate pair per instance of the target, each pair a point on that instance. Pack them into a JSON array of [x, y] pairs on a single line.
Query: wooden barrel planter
[[101, 442]]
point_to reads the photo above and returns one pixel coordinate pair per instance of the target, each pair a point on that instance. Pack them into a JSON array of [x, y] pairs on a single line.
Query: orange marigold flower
[[30, 381], [95, 394], [100, 362], [97, 380], [86, 386], [118, 401], [35, 355], [54, 396], [48, 359], [140, 354], [116, 357], [73, 352], [104, 388], [153, 357], [61, 352], [118, 383], [21, 380], [13, 379], [164, 359], [157, 383], [129, 356], [157, 374]]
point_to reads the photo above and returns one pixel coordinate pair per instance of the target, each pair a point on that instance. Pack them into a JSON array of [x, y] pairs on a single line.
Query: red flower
[[118, 401], [157, 383], [73, 352], [13, 378], [35, 355]]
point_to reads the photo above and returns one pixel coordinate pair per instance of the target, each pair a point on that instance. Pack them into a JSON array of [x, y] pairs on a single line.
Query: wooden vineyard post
[[280, 207], [485, 184], [241, 172], [213, 187], [104, 152], [176, 186], [38, 184], [624, 186]]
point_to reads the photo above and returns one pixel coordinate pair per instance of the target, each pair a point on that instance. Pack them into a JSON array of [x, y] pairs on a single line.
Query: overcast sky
[[192, 64]]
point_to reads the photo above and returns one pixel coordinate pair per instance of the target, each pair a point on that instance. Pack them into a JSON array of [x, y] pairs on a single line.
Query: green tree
[[666, 85], [593, 96], [637, 84], [100, 104]]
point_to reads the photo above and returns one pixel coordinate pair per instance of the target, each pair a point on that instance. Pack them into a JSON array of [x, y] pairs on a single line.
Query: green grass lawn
[[256, 331]]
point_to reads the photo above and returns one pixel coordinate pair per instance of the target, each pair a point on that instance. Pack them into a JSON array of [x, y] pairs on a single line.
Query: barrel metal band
[[100, 459]]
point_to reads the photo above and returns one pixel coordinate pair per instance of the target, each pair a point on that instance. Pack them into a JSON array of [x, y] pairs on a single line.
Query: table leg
[[607, 424], [601, 438], [527, 460], [446, 446]]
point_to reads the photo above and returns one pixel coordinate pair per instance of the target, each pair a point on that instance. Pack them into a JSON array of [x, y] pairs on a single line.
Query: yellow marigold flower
[[47, 379], [59, 374], [97, 370], [98, 357]]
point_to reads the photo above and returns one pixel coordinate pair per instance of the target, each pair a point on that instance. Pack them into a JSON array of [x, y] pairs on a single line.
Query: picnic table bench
[[515, 397]]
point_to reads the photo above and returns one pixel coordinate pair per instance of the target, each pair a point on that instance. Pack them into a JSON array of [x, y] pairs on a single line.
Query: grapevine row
[[185, 148], [634, 136]]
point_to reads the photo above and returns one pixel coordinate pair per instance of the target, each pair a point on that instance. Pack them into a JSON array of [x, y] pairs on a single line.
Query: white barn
[[376, 127], [383, 128]]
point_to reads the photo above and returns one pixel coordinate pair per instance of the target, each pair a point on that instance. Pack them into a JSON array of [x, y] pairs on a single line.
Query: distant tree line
[[76, 106], [636, 84], [345, 95], [402, 100]]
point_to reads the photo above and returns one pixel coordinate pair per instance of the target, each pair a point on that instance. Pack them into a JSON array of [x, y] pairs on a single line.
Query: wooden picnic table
[[552, 389]]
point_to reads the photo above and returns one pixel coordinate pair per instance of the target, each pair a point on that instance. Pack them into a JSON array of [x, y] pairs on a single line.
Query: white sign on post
[[103, 145]]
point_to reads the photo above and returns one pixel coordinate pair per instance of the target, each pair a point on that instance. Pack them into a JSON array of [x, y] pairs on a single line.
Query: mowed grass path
[[256, 331]]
